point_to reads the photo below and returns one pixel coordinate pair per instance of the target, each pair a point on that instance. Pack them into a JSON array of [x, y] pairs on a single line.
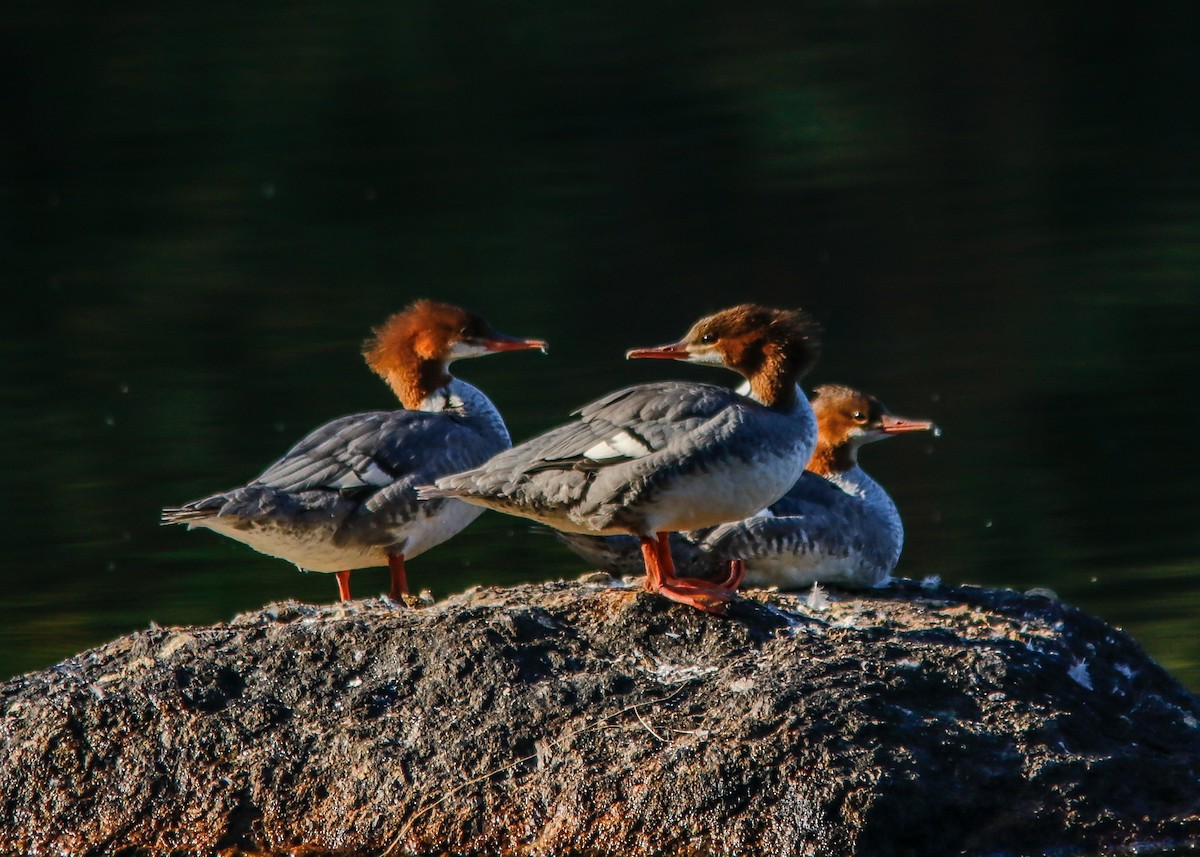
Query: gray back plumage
[[622, 448], [357, 475]]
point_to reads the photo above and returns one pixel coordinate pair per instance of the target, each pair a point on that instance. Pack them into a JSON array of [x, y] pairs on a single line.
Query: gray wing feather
[[654, 414], [364, 450], [553, 475], [361, 470]]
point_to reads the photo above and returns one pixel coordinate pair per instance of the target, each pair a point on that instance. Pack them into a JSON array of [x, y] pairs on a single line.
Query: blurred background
[[992, 207]]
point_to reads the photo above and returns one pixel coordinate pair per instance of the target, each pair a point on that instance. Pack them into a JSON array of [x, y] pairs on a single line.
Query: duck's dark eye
[[708, 339], [859, 417]]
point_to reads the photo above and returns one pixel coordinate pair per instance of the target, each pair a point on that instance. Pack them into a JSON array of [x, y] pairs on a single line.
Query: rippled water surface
[[994, 210]]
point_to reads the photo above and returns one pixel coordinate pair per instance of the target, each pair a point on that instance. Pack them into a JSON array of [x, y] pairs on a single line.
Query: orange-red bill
[[674, 351], [896, 425], [501, 342]]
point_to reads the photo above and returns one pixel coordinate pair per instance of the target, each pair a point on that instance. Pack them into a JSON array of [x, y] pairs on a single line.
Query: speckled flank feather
[[816, 532], [849, 533]]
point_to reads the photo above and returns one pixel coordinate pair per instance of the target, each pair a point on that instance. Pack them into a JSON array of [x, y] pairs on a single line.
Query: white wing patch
[[620, 445], [369, 475]]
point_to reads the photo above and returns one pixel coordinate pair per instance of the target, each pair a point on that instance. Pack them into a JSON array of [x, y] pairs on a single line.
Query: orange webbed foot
[[708, 598], [660, 578], [737, 571], [731, 581]]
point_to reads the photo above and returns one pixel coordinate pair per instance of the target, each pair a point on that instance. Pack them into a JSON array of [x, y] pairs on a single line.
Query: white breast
[[726, 491]]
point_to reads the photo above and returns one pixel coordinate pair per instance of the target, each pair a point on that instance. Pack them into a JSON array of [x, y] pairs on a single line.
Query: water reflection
[[996, 219]]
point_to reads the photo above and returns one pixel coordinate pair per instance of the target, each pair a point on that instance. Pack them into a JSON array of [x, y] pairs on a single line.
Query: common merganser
[[836, 524], [672, 455], [344, 497]]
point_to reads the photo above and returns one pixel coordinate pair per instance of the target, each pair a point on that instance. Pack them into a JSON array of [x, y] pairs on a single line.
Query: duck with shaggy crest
[[667, 456], [835, 525], [344, 497]]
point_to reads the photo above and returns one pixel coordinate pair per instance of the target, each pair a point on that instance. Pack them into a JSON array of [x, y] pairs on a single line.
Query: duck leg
[[399, 577], [660, 578], [731, 581], [737, 570], [343, 579]]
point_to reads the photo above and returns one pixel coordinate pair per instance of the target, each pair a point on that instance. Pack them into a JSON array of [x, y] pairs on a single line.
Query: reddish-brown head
[[846, 420], [412, 350], [772, 348]]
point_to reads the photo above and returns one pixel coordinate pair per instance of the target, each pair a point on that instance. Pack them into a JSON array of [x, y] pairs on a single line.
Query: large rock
[[591, 717]]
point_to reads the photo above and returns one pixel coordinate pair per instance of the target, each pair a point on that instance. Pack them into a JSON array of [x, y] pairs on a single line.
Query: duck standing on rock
[[835, 525], [344, 497], [673, 455]]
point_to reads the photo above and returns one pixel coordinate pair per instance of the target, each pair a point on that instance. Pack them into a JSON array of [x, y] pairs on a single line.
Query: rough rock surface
[[588, 717]]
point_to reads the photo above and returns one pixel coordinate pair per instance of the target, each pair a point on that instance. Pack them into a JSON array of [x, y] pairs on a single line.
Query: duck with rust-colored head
[[835, 525], [657, 458], [344, 497]]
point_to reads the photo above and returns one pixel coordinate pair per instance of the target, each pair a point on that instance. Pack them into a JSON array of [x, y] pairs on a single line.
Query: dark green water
[[994, 209]]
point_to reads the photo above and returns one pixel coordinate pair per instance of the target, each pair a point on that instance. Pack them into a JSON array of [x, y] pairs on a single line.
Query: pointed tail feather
[[432, 492], [185, 515]]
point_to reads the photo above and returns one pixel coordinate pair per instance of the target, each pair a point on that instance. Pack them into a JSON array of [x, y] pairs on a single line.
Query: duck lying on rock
[[835, 525]]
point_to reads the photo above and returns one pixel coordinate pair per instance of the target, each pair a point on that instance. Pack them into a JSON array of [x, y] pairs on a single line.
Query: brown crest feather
[[408, 351]]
